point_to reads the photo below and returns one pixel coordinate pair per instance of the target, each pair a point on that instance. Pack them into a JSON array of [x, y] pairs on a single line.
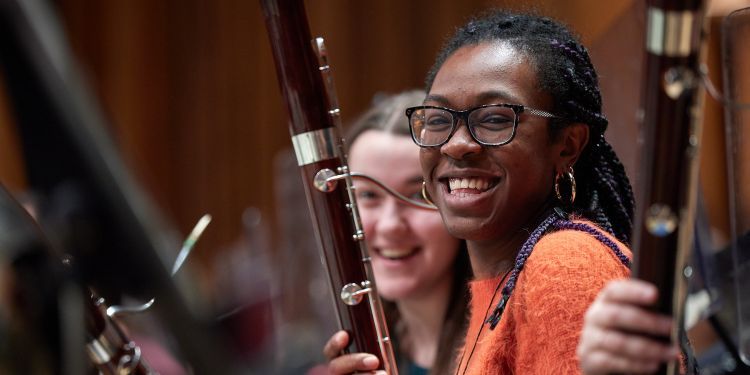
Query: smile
[[470, 185], [396, 254]]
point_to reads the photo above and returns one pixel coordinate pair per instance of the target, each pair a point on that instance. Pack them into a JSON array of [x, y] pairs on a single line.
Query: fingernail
[[370, 361]]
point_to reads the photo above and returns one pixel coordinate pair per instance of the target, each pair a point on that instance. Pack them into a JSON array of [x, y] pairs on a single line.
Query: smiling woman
[[421, 271], [513, 106], [513, 154]]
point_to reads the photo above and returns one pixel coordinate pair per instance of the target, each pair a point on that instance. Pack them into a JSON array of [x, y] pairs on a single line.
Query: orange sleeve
[[561, 278]]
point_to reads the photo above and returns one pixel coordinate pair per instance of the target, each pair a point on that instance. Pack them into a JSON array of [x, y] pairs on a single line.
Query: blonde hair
[[387, 114]]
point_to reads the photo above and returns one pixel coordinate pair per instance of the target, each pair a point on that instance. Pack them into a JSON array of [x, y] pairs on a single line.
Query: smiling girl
[[421, 271]]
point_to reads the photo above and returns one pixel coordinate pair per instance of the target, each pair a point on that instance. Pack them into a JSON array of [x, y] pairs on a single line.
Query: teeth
[[396, 253], [475, 183]]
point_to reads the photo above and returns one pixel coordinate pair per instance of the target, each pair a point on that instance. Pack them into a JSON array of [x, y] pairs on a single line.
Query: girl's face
[[509, 185], [411, 250]]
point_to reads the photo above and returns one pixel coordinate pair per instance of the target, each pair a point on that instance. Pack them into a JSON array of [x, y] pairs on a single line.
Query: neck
[[423, 317], [493, 257]]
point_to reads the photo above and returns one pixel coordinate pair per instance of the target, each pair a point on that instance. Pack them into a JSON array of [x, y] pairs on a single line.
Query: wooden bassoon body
[[307, 87], [671, 109]]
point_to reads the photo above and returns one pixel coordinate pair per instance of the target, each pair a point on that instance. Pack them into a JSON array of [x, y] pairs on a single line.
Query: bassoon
[[307, 86], [671, 119]]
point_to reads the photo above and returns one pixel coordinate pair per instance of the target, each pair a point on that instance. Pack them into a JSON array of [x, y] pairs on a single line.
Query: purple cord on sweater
[[583, 227], [554, 220]]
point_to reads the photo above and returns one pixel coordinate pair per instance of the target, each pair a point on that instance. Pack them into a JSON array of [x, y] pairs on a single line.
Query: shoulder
[[572, 264], [562, 276], [572, 248]]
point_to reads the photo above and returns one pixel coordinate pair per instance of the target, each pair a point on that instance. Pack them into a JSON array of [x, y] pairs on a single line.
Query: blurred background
[[190, 91]]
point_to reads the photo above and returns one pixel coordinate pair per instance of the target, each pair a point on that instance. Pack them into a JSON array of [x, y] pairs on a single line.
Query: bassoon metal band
[[671, 33], [99, 350], [314, 146]]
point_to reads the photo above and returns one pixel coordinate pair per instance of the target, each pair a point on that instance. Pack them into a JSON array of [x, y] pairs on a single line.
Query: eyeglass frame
[[464, 115]]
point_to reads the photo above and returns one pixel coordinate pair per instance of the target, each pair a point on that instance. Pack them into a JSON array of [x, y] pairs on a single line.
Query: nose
[[392, 222], [461, 144]]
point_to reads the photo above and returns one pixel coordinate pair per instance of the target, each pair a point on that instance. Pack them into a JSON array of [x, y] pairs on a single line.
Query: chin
[[471, 230], [394, 291]]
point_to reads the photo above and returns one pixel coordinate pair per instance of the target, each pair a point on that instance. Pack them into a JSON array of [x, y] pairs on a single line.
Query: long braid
[[622, 216], [608, 197]]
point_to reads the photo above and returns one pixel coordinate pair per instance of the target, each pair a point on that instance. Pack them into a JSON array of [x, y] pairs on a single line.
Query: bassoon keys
[[307, 86]]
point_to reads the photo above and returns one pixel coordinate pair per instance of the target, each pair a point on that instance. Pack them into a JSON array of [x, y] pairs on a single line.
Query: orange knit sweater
[[542, 322]]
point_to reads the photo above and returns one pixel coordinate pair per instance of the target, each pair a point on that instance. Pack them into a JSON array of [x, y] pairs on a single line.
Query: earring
[[425, 196], [572, 180]]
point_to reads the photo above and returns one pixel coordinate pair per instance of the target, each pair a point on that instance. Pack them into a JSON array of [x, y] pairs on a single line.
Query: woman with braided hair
[[513, 154]]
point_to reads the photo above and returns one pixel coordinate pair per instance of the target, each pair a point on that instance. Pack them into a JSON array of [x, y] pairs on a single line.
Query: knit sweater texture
[[541, 325]]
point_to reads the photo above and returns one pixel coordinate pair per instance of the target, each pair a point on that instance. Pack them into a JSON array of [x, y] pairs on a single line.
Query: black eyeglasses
[[489, 125]]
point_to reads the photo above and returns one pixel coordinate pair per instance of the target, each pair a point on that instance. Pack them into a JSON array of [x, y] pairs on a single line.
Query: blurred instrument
[[97, 213], [35, 288], [671, 133], [47, 307], [108, 347], [735, 32], [190, 241], [306, 82]]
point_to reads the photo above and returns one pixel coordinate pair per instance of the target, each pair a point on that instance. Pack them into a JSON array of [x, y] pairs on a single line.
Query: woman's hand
[[347, 363], [615, 329]]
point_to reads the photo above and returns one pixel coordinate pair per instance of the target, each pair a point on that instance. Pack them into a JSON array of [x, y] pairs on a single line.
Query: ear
[[572, 140]]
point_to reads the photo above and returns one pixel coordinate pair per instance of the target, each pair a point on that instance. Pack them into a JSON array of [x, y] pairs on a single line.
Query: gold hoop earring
[[572, 180], [425, 196]]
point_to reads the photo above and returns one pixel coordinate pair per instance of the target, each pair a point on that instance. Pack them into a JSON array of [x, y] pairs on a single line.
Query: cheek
[[429, 228], [368, 216], [528, 160], [428, 158]]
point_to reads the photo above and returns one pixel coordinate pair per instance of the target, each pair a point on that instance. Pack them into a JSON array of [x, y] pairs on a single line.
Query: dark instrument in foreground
[[49, 315], [305, 80], [116, 238], [671, 131]]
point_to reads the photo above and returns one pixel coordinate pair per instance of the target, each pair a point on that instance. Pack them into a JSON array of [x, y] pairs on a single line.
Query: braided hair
[[564, 71]]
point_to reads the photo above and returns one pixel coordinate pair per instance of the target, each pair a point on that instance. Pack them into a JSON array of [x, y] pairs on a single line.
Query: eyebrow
[[484, 97]]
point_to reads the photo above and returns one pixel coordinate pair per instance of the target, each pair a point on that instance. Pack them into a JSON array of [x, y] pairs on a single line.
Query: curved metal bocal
[[388, 189]]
